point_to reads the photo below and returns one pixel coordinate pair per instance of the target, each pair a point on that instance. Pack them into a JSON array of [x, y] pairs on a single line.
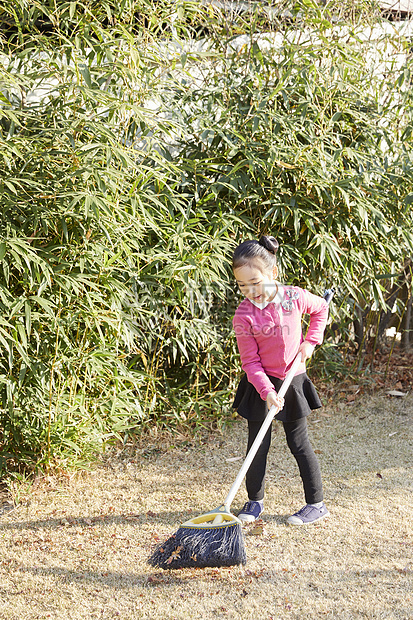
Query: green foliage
[[140, 141]]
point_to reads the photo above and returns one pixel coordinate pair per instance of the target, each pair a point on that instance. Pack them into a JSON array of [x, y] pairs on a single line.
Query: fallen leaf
[[257, 529], [176, 554], [155, 579]]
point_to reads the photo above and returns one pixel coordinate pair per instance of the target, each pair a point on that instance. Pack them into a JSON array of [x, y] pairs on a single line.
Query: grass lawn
[[76, 547]]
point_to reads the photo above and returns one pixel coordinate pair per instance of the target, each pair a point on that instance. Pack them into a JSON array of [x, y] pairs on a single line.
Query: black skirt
[[301, 398]]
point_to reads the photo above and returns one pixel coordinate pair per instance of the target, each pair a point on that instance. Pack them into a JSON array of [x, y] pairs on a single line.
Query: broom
[[214, 538]]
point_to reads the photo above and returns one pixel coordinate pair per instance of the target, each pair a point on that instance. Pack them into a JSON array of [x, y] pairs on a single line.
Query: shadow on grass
[[118, 580], [162, 518], [171, 519]]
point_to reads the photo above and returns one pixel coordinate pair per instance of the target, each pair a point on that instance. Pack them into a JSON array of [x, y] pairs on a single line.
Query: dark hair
[[249, 251]]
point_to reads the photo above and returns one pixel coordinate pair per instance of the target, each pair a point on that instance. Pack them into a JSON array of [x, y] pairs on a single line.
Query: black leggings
[[298, 441]]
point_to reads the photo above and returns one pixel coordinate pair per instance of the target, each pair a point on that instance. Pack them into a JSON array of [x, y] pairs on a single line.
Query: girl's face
[[255, 284]]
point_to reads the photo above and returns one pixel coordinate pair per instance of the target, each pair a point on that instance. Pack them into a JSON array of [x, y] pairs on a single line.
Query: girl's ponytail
[[269, 243]]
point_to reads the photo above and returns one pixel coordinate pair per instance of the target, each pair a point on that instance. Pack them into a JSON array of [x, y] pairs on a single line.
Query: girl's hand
[[306, 349], [274, 399]]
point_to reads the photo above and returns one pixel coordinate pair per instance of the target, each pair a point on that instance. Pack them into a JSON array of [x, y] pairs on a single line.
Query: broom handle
[[267, 423], [261, 433]]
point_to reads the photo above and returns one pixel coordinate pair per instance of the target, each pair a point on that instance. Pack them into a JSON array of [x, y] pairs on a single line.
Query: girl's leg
[[299, 443], [255, 477]]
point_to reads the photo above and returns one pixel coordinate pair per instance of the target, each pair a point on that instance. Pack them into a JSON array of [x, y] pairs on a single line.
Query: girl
[[267, 325]]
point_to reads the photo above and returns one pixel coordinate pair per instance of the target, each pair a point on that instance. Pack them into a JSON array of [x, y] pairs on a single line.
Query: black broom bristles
[[194, 547]]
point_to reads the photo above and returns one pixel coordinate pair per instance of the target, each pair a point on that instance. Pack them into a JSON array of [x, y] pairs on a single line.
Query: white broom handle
[[261, 433]]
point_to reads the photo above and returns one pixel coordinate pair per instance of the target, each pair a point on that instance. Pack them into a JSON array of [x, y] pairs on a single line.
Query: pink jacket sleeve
[[317, 308], [250, 359]]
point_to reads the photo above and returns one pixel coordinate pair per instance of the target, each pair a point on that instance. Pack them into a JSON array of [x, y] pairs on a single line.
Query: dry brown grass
[[76, 548]]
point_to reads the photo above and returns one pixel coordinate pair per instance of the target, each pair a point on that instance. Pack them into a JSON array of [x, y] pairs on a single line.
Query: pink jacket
[[268, 339]]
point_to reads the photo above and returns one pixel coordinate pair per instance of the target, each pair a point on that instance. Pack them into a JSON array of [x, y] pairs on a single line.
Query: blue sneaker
[[251, 511], [308, 514]]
